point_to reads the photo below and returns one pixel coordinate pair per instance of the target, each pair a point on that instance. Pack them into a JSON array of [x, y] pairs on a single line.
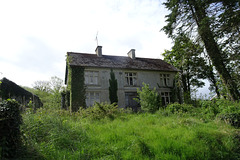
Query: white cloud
[[35, 35]]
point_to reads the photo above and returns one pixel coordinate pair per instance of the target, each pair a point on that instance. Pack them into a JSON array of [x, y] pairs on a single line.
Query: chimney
[[131, 53], [99, 51]]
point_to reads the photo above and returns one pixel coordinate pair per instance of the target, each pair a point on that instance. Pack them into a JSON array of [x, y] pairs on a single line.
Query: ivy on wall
[[76, 87]]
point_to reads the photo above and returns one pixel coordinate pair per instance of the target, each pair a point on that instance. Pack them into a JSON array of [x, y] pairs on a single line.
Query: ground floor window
[[92, 97], [165, 98]]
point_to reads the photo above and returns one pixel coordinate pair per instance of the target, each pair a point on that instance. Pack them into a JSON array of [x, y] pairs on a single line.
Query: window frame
[[92, 97], [164, 80], [91, 77], [166, 98], [130, 78]]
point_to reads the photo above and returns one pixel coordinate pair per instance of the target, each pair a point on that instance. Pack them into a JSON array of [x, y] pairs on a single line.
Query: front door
[[130, 102]]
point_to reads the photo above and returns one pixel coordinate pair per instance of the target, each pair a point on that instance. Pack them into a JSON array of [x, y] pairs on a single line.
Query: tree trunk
[[213, 49]]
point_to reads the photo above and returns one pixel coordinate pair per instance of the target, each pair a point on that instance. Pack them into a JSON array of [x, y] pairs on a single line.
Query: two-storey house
[[130, 72]]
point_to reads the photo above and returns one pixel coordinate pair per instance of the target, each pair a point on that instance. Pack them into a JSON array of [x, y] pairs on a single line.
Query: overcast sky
[[36, 34]]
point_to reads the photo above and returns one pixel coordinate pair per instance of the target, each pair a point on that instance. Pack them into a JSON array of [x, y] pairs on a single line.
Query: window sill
[[131, 86], [97, 85]]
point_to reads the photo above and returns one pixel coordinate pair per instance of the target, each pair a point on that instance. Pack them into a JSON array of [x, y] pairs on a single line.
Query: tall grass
[[61, 135]]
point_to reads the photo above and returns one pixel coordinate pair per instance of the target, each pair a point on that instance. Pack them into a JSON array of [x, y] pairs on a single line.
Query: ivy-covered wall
[[76, 87]]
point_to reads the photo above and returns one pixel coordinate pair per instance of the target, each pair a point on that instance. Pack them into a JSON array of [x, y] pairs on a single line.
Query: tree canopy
[[215, 24]]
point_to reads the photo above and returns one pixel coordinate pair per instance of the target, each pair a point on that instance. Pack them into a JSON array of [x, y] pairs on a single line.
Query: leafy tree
[[49, 91], [42, 86], [185, 55], [212, 77], [198, 17], [148, 99], [113, 87]]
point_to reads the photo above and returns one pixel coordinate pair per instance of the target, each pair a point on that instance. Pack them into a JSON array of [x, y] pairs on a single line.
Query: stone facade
[[149, 77], [131, 72]]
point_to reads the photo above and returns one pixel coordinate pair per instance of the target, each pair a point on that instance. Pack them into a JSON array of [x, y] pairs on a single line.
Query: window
[[131, 78], [92, 97], [165, 98], [164, 79], [91, 77]]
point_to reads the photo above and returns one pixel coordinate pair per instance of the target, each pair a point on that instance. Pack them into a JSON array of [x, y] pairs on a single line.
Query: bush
[[226, 110], [10, 120], [209, 109], [176, 108], [100, 111], [230, 114], [148, 99]]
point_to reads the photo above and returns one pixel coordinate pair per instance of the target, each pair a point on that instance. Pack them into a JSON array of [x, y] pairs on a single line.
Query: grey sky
[[35, 35]]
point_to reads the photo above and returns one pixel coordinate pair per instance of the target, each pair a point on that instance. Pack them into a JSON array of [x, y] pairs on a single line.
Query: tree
[[42, 86], [113, 87], [49, 91], [212, 77], [56, 84], [186, 56], [148, 99], [194, 17]]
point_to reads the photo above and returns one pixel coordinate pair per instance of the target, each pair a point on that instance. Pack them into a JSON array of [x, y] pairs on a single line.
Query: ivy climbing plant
[[76, 87]]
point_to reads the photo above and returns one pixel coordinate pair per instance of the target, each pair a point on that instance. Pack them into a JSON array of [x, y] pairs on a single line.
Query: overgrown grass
[[55, 134]]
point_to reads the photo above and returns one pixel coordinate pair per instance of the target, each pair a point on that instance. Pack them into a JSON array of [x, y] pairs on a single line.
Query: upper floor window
[[131, 78], [91, 77], [164, 79]]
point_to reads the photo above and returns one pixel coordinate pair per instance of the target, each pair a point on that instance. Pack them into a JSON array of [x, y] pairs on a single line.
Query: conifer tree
[[113, 87]]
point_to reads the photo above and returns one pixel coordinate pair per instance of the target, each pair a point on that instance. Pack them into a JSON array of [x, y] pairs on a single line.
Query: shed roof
[[123, 62]]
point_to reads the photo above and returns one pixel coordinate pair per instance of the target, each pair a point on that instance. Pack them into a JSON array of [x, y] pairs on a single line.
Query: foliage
[[186, 56], [176, 108], [100, 111], [10, 120], [58, 134], [42, 86], [148, 99], [230, 113], [199, 18], [76, 87], [49, 91], [113, 88]]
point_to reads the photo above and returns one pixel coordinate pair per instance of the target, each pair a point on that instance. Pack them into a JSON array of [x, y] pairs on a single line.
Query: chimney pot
[[99, 51], [131, 54]]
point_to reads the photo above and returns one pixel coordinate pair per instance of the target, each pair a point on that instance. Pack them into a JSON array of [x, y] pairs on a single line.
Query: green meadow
[[109, 133]]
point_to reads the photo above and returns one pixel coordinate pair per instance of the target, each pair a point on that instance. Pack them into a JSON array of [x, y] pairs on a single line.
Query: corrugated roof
[[106, 61]]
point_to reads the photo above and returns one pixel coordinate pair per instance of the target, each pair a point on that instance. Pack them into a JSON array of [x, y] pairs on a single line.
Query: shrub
[[10, 120], [148, 99], [100, 110], [177, 108], [230, 114]]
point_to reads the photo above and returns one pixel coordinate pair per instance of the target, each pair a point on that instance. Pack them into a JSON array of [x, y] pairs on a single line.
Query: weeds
[[93, 134]]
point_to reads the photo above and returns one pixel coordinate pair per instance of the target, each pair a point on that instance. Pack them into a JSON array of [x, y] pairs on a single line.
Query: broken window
[[165, 98], [164, 80], [131, 78]]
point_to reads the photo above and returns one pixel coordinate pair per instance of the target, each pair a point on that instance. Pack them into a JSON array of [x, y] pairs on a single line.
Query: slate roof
[[120, 62]]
